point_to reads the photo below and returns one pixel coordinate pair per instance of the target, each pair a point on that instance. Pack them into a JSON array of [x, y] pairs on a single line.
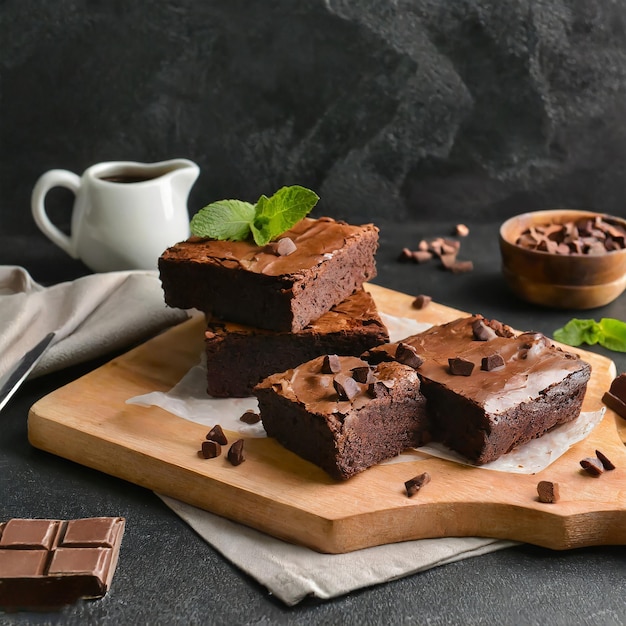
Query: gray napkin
[[91, 316], [101, 313]]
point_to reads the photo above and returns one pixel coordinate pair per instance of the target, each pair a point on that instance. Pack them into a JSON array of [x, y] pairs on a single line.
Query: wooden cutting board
[[275, 491]]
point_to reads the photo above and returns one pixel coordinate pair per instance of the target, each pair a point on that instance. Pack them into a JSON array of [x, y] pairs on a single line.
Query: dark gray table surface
[[168, 575]]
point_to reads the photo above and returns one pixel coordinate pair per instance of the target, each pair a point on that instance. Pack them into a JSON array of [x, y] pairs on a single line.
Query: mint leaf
[[226, 220], [280, 212], [613, 334], [609, 333], [576, 332]]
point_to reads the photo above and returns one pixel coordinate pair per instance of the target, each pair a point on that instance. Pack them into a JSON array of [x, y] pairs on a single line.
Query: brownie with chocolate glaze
[[520, 385], [241, 282], [238, 357], [343, 415]]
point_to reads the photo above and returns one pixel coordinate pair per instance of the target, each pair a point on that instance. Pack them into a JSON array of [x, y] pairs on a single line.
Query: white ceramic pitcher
[[125, 213]]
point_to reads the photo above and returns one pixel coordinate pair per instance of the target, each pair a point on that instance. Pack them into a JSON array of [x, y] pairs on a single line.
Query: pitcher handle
[[53, 178]]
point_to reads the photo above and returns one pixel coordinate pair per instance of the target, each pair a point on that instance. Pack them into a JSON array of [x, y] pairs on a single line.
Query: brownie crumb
[[210, 449], [548, 491], [421, 302], [593, 466], [235, 453], [331, 364], [460, 367], [217, 434], [606, 463], [250, 417], [413, 485]]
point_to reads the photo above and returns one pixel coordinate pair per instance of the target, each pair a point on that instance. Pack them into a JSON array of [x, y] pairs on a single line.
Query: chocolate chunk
[[592, 465], [51, 563], [250, 417], [421, 256], [606, 463], [407, 355], [331, 364], [282, 247], [615, 397], [346, 387], [405, 255], [460, 367], [413, 485], [482, 332], [461, 267], [491, 362], [548, 491], [461, 230], [217, 434], [235, 453], [363, 374], [210, 449], [421, 301]]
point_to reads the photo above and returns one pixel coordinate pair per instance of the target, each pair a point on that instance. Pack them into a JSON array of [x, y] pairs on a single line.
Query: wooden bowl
[[574, 281]]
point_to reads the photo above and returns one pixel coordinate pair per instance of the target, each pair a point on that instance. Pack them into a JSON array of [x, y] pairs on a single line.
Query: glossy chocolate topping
[[531, 363], [315, 241], [310, 387]]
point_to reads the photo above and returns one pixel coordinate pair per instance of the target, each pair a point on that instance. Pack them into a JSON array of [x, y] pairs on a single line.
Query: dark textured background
[[398, 109]]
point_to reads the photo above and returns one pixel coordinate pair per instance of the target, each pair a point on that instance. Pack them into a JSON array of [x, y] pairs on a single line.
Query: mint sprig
[[235, 220], [608, 332]]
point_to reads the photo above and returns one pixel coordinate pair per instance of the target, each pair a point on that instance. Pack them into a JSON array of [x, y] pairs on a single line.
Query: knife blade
[[12, 380]]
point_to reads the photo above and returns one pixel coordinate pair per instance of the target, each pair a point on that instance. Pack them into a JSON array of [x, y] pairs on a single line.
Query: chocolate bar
[[47, 563]]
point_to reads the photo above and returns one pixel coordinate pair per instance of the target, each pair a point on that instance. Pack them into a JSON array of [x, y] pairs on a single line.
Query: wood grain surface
[[275, 491]]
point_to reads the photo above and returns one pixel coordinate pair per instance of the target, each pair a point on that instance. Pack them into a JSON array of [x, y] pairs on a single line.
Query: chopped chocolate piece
[[346, 387], [217, 434], [421, 302], [615, 397], [47, 564], [606, 463], [250, 417], [491, 362], [235, 453], [482, 332], [210, 449], [363, 374], [284, 246], [548, 491], [461, 230], [461, 267], [460, 367], [592, 465], [422, 256], [408, 355], [330, 364], [413, 485], [448, 260], [405, 255]]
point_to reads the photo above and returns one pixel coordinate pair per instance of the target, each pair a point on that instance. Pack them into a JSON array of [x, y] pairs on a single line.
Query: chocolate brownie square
[[343, 415], [239, 357], [489, 389], [239, 281]]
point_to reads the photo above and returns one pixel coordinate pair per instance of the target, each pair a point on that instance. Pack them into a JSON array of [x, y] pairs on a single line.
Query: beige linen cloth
[[101, 313]]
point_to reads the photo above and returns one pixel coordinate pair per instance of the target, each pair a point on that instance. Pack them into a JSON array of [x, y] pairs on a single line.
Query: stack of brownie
[[272, 308]]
